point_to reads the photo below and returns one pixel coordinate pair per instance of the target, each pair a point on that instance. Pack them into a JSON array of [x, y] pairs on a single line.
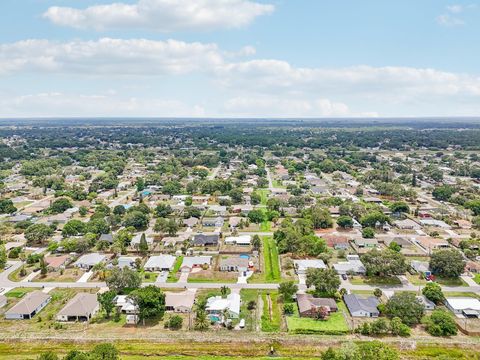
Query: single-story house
[[467, 306], [82, 307], [407, 224], [233, 263], [430, 243], [337, 242], [218, 210], [301, 266], [190, 262], [29, 306], [366, 243], [126, 261], [181, 302], [435, 223], [362, 307], [56, 262], [88, 261], [107, 238], [400, 241], [353, 264], [216, 222], [190, 222], [307, 305], [205, 240], [162, 262], [136, 240], [174, 240], [125, 305], [242, 208], [420, 266], [473, 267], [216, 306], [427, 304], [234, 221], [238, 240]]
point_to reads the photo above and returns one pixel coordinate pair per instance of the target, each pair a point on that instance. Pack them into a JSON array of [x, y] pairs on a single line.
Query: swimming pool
[[244, 256]]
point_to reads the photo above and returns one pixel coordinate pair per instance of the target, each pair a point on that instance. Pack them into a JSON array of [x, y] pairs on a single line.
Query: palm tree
[[224, 291], [201, 320], [101, 269]]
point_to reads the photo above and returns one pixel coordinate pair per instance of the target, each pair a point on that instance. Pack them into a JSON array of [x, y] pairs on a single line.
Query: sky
[[239, 58]]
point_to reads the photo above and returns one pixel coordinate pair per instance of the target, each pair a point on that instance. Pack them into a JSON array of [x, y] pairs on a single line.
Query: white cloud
[[109, 56], [455, 9], [161, 15], [270, 106], [265, 85], [449, 20], [56, 104], [453, 15]]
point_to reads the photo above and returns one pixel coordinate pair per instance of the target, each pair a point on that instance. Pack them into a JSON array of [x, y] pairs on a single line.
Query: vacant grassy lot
[[374, 280], [249, 295], [173, 275], [68, 275], [336, 323], [271, 314], [271, 261]]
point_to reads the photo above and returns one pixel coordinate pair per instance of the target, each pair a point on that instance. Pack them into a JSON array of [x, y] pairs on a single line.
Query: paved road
[[6, 283]]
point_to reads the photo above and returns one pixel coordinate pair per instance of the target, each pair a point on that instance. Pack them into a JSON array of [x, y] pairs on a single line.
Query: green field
[[172, 276], [271, 320], [477, 278], [336, 323], [270, 256]]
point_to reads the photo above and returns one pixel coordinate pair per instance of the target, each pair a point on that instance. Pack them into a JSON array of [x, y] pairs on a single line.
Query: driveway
[[85, 277], [183, 277], [162, 277]]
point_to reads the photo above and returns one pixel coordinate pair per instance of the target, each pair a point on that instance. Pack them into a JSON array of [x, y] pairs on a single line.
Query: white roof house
[[195, 261], [301, 266], [353, 264], [88, 261], [162, 262], [238, 240], [125, 304], [435, 223], [216, 305], [467, 306]]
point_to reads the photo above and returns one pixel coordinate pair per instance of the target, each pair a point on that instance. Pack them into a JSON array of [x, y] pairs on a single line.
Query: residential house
[[430, 243], [421, 267], [135, 243], [362, 307], [190, 222], [217, 306], [125, 305], [362, 243], [427, 304], [234, 263], [216, 222], [435, 223], [352, 265], [82, 307], [336, 241], [162, 262], [31, 304], [467, 306], [243, 240], [407, 224], [107, 238], [400, 241], [88, 261], [190, 262], [205, 240], [126, 262], [180, 302], [234, 221], [308, 305], [55, 263], [301, 266]]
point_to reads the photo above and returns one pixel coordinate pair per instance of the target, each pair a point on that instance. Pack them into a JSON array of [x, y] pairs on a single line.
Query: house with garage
[[352, 265], [55, 263], [213, 222], [233, 263], [301, 266], [205, 240], [88, 261], [82, 307], [362, 307], [180, 302], [162, 262], [191, 262], [31, 304], [309, 305], [464, 306]]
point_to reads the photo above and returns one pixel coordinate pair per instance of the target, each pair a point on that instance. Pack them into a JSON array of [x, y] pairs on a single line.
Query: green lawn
[[266, 226], [278, 184], [270, 256], [335, 325], [461, 294], [374, 280], [271, 322], [172, 276], [477, 278], [248, 295], [18, 292]]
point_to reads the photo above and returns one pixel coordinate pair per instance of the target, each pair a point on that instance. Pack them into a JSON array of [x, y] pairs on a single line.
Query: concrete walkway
[[31, 276], [85, 277], [469, 280]]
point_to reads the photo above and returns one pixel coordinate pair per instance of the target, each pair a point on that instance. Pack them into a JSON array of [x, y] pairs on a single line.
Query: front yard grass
[[247, 296], [173, 275], [334, 325], [417, 280], [476, 278], [374, 280]]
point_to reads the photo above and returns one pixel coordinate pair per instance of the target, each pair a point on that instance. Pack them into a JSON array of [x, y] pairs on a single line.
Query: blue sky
[[236, 58]]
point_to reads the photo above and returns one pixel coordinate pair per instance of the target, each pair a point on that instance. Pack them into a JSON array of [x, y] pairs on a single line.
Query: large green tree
[[447, 263], [405, 306], [150, 301], [325, 281]]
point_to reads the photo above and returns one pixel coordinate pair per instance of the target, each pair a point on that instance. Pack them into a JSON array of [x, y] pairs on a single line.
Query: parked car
[[344, 276]]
